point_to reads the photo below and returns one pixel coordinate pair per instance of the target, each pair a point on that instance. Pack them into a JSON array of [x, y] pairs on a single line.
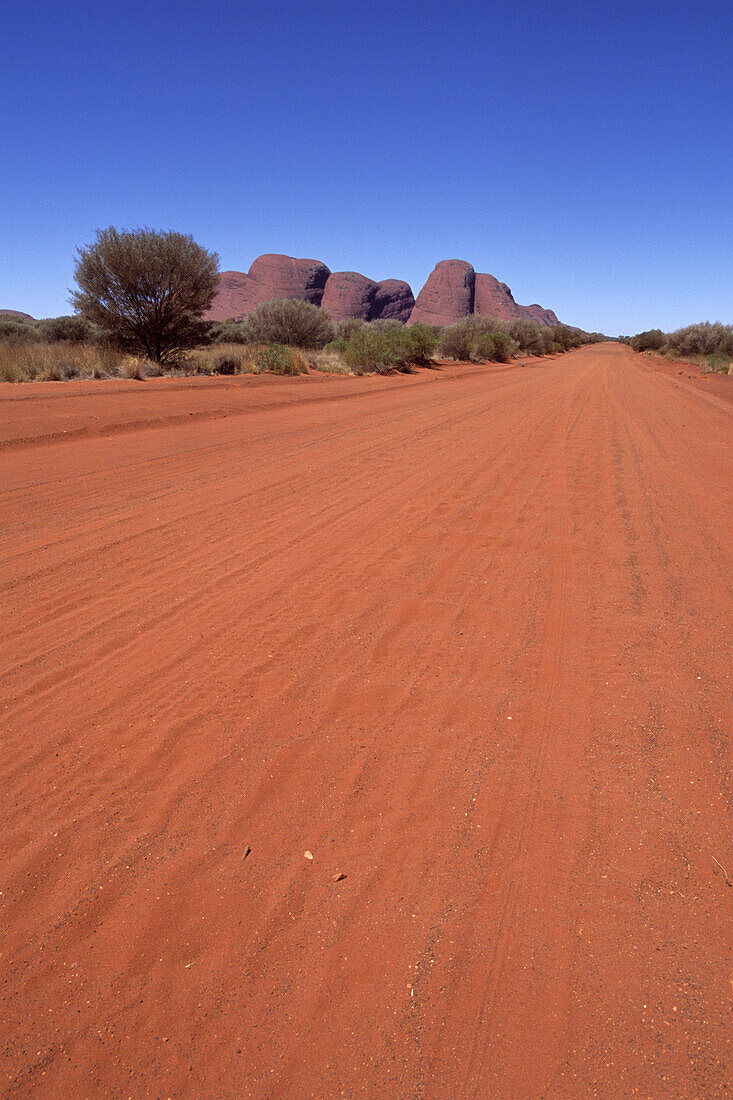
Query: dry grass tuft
[[221, 359], [37, 362], [329, 362]]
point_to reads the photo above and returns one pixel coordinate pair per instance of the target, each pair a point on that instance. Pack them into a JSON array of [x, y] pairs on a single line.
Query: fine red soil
[[464, 636]]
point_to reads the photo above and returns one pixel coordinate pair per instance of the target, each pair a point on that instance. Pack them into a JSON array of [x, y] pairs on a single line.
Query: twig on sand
[[725, 873]]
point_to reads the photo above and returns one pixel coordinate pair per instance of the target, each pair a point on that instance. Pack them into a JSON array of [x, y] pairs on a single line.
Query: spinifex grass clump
[[36, 362]]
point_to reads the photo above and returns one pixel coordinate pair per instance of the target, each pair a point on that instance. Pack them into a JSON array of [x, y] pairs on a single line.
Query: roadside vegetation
[[286, 337], [140, 303], [707, 345]]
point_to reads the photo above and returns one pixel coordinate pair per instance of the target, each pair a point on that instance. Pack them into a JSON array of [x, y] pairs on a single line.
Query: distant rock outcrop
[[494, 299], [447, 295], [349, 294], [15, 315], [453, 291], [394, 301], [270, 276], [273, 276], [539, 315]]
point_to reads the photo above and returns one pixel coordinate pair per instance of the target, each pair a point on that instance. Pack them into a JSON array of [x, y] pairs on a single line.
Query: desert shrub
[[72, 329], [289, 321], [457, 342], [528, 337], [370, 350], [701, 340], [227, 332], [9, 370], [339, 345], [12, 331], [564, 337], [344, 330], [652, 340], [63, 370], [147, 290], [382, 346], [496, 346], [280, 359], [219, 359], [719, 363], [423, 341], [476, 338], [401, 348]]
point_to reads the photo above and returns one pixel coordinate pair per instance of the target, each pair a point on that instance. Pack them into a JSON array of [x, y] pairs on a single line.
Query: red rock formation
[[273, 276], [452, 291], [447, 295], [394, 301], [270, 276], [15, 315], [539, 315], [349, 294], [494, 299]]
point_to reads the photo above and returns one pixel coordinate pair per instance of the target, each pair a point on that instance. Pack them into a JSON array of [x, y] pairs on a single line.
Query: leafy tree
[[148, 290]]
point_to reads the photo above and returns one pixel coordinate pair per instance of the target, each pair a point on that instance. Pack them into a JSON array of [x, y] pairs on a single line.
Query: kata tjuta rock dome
[[453, 291]]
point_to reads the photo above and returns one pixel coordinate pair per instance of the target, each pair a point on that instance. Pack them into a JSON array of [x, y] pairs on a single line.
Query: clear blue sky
[[580, 151]]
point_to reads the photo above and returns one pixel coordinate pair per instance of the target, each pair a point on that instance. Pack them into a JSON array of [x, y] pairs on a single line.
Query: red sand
[[464, 636]]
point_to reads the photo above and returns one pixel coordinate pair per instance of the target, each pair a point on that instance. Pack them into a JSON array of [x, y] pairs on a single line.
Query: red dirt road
[[465, 637]]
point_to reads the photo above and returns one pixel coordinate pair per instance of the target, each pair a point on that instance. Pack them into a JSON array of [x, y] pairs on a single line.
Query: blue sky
[[580, 151]]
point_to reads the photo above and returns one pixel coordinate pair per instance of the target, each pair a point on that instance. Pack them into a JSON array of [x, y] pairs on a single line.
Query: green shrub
[[344, 330], [15, 331], [652, 340], [423, 341], [474, 339], [381, 346], [227, 332], [457, 342], [370, 350], [74, 329], [529, 338], [495, 346], [288, 321], [701, 340], [719, 363], [280, 359]]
